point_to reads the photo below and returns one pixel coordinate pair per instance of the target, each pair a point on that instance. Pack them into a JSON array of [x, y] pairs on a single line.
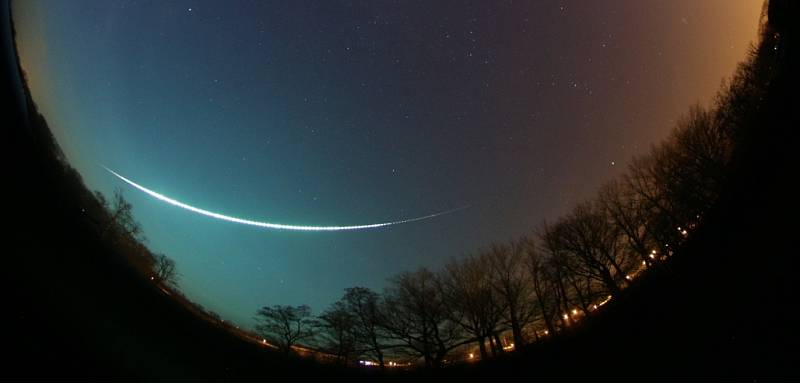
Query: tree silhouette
[[285, 326], [513, 286], [364, 305], [419, 318], [164, 270], [629, 213], [471, 300], [543, 283], [338, 330], [120, 217], [589, 246]]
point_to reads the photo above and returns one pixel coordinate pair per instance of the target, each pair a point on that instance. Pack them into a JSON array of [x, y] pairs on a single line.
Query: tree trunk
[[618, 269], [516, 330], [426, 348], [610, 283], [563, 296], [548, 322], [582, 300], [499, 344], [379, 354], [482, 347]]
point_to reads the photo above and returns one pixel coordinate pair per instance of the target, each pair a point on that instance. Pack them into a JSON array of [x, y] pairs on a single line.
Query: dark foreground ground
[[725, 311]]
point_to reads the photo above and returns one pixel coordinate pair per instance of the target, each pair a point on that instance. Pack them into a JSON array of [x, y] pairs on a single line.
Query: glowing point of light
[[269, 225]]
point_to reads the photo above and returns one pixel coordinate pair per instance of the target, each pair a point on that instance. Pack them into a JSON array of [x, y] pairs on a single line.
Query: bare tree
[[512, 284], [701, 160], [471, 300], [694, 164], [586, 244], [285, 326], [164, 270], [647, 178], [629, 212], [365, 307], [544, 288], [120, 216], [682, 177], [418, 317], [338, 330], [555, 271]]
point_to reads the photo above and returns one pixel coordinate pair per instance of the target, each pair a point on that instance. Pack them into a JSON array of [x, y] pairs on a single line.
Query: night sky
[[343, 112]]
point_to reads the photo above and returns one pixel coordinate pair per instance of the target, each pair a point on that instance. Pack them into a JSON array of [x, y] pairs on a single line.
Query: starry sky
[[350, 112]]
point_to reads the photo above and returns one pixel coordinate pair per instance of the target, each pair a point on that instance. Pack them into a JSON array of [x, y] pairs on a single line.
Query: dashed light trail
[[270, 225]]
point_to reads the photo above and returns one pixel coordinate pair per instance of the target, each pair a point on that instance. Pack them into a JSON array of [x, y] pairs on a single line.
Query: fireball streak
[[269, 225]]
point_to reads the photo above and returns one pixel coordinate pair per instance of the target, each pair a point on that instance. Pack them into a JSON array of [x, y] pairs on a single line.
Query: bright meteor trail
[[269, 225]]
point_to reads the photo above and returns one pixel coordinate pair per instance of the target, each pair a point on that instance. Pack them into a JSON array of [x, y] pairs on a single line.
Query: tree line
[[564, 271], [117, 225]]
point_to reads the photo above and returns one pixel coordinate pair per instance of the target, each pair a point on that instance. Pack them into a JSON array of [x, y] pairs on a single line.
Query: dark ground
[[725, 310]]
